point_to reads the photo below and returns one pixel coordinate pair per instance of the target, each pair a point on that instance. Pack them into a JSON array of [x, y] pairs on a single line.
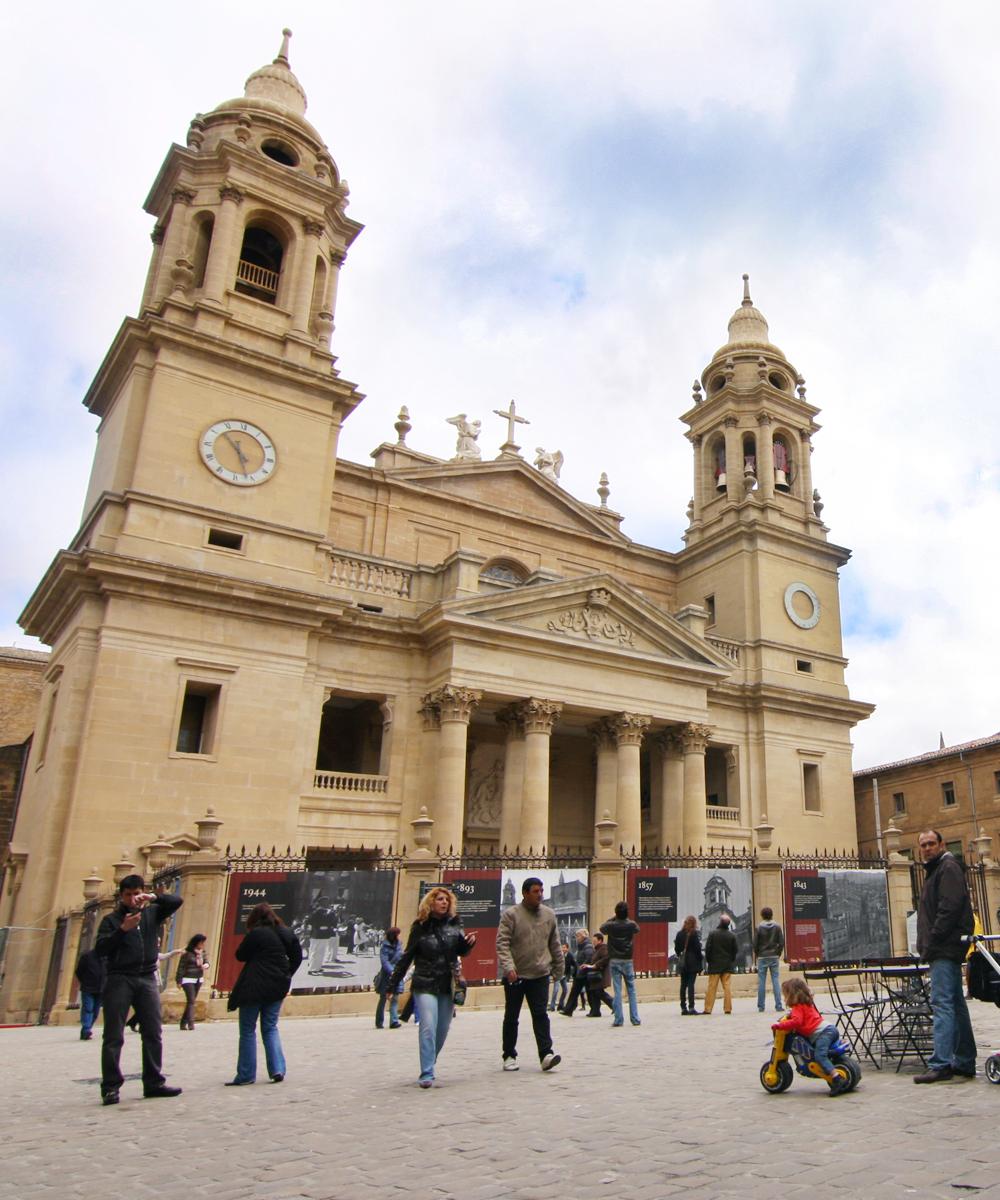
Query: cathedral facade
[[333, 654]]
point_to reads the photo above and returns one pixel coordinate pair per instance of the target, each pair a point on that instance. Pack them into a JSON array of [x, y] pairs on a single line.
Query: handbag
[[459, 986], [378, 983]]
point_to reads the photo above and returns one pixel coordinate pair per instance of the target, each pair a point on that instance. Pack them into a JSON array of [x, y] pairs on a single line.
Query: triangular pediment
[[510, 486], [599, 610]]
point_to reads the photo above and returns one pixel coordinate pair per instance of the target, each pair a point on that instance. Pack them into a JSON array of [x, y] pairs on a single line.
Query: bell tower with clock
[[221, 404], [759, 562]]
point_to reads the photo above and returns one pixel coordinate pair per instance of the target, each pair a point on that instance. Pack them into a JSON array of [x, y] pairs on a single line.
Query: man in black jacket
[[943, 916], [720, 959], [90, 973], [128, 940]]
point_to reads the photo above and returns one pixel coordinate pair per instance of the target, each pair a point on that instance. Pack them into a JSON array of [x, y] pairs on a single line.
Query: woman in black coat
[[687, 948], [434, 946], [271, 955]]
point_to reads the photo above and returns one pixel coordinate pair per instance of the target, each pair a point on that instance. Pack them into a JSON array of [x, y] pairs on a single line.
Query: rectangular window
[[956, 849], [710, 609], [199, 716], [224, 539], [948, 794], [996, 782], [898, 802], [803, 665], [810, 787]]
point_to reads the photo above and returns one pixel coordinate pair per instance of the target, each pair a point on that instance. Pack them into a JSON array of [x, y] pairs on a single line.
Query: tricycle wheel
[[993, 1068], [784, 1080], [853, 1069]]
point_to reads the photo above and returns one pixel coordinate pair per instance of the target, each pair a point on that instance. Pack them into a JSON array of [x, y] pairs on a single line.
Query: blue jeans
[[246, 1063], [560, 986], [954, 1042], [765, 964], [393, 1010], [623, 968], [90, 1006], [435, 1021], [821, 1044]]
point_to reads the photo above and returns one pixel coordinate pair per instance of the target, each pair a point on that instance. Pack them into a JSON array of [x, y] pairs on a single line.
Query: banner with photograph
[[836, 916], [706, 893], [566, 891], [340, 917], [478, 896]]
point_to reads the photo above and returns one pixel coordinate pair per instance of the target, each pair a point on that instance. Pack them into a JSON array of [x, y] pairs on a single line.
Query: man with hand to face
[[128, 939], [943, 916], [529, 952]]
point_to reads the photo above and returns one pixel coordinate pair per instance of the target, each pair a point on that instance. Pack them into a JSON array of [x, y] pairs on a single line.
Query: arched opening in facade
[[501, 574], [259, 271], [350, 736], [782, 464], [749, 456], [717, 462]]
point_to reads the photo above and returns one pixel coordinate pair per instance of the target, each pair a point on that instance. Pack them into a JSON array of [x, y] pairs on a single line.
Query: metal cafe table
[[881, 1005]]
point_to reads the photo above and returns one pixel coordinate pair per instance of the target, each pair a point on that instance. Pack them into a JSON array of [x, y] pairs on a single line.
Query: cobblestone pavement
[[673, 1108]]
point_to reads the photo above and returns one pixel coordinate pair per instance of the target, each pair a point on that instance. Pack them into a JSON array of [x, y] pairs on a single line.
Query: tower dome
[[747, 325], [277, 83]]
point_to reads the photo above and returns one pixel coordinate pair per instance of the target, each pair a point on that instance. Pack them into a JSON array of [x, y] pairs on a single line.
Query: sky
[[559, 200]]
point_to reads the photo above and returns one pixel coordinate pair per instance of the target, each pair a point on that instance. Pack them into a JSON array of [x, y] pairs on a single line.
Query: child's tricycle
[[776, 1074]]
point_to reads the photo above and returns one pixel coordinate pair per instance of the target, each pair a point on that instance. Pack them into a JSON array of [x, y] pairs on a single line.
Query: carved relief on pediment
[[593, 623]]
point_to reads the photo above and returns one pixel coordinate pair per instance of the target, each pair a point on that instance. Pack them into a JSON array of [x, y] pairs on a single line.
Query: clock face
[[238, 452], [802, 605]]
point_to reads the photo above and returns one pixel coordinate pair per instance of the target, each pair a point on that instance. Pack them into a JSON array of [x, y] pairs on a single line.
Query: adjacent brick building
[[21, 680]]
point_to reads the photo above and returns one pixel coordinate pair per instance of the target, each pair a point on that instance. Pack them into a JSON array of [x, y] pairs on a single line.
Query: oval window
[[778, 381], [281, 152]]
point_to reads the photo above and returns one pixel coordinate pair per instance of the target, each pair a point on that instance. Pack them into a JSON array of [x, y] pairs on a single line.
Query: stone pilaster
[[765, 460], [734, 461], [219, 270]]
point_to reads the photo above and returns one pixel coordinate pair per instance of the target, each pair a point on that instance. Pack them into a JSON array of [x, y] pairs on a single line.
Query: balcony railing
[[260, 279], [349, 781], [359, 575], [730, 649], [717, 812]]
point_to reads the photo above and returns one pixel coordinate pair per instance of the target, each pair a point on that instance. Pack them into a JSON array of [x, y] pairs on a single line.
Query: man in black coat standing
[[720, 958], [128, 940], [91, 974], [944, 915]]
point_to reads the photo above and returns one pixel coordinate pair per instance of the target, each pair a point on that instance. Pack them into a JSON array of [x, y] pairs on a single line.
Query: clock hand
[[239, 452]]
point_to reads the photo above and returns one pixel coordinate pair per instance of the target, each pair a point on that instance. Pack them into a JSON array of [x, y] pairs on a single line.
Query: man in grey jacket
[[768, 945], [528, 953]]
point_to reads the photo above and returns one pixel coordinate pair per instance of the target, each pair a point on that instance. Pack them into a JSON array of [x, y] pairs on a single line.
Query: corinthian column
[[695, 739], [605, 791], [538, 717], [670, 816], [454, 706], [628, 730], [513, 778], [219, 272]]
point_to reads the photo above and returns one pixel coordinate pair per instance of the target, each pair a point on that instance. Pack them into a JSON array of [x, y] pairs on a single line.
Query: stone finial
[[422, 826], [466, 449], [761, 367], [747, 302], [696, 395], [208, 829], [286, 35], [603, 490], [765, 832], [510, 449], [800, 386], [818, 504], [891, 837], [196, 133], [606, 829], [690, 510], [158, 852], [729, 369], [124, 866], [402, 426], [549, 463], [92, 885]]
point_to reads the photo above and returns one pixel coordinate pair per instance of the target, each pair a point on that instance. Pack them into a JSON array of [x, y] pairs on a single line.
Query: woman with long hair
[[435, 944], [690, 960], [271, 955], [190, 973]]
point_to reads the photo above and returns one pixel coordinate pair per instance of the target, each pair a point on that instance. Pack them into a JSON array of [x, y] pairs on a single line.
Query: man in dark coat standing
[[720, 958], [91, 974], [128, 940], [944, 915]]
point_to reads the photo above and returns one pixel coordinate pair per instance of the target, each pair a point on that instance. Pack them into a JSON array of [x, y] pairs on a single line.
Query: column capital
[[313, 228], [182, 196], [229, 191], [628, 729], [157, 233], [763, 418], [512, 721], [539, 716], [731, 422], [669, 742], [337, 256], [429, 713], [455, 703], [601, 734], [695, 738]]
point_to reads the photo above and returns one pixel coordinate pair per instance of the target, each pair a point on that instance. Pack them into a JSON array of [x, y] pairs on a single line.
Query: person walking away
[[190, 974], [91, 972], [435, 944], [322, 922], [270, 954], [127, 940], [690, 960], [768, 946], [720, 958], [944, 917], [598, 978], [584, 957], [528, 952], [560, 986], [804, 1018], [620, 932], [390, 952]]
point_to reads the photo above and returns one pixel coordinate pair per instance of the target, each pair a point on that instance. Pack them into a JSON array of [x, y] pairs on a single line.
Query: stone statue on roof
[[468, 432]]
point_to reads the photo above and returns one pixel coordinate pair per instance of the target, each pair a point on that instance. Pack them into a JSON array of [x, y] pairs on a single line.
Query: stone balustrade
[[359, 574], [349, 781], [730, 649], [718, 812]]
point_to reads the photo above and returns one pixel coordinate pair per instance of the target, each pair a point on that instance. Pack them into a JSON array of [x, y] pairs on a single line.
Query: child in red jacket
[[804, 1018]]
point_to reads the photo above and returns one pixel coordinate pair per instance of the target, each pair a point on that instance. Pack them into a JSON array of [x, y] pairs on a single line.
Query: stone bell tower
[[222, 401]]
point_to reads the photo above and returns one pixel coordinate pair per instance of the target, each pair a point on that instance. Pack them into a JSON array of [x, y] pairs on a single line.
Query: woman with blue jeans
[[434, 946], [271, 955], [390, 953]]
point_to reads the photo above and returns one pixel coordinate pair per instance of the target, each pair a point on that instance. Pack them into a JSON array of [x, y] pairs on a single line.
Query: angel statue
[[549, 464], [468, 431]]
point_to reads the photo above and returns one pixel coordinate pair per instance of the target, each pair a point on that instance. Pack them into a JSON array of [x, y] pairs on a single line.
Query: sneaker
[[838, 1084], [935, 1075], [426, 1083], [551, 1061], [510, 1064]]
